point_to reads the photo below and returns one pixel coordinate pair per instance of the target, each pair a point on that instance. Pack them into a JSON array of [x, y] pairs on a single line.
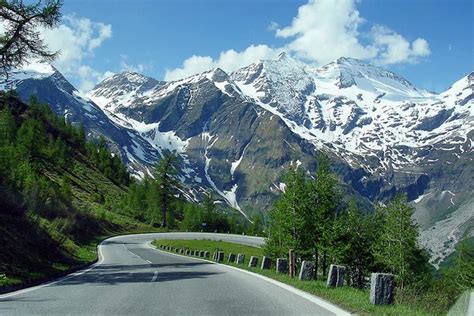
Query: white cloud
[[420, 47], [273, 26], [76, 39], [322, 31], [393, 48], [192, 65], [229, 60]]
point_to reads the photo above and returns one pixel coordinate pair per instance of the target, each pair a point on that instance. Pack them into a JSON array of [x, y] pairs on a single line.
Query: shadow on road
[[105, 267], [117, 274]]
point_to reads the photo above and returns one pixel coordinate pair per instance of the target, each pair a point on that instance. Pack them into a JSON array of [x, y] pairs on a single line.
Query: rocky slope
[[237, 133]]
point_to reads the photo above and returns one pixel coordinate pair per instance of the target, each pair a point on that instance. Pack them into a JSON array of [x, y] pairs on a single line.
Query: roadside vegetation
[[349, 298], [61, 194], [213, 246], [159, 201], [54, 188], [312, 218]]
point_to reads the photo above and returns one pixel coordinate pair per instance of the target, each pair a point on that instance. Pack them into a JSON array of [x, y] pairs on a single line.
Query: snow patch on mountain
[[358, 108]]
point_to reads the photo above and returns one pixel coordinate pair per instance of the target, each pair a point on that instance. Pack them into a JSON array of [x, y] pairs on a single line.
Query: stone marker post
[[232, 257], [253, 261], [381, 288], [307, 270], [282, 265], [266, 263], [336, 276], [240, 258], [220, 256], [292, 270]]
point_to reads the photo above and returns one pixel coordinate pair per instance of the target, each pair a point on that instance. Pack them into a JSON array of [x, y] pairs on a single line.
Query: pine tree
[[289, 224], [59, 152], [166, 184], [208, 211], [21, 41], [31, 139], [256, 227], [7, 126], [82, 134], [352, 240], [464, 265], [327, 200], [303, 217], [397, 248]]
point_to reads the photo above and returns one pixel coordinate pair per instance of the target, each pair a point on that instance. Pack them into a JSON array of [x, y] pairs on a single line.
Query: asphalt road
[[131, 278]]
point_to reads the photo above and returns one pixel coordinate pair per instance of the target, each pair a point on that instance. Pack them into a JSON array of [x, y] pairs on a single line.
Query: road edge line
[[308, 296], [64, 278]]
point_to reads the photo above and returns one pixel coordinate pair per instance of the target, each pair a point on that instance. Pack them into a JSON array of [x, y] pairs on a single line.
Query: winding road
[[133, 278]]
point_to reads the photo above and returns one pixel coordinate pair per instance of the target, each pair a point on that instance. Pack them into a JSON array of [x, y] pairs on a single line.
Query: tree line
[[312, 218], [34, 140], [160, 201]]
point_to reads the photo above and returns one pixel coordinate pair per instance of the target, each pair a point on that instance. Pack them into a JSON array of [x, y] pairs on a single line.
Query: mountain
[[236, 134], [52, 88]]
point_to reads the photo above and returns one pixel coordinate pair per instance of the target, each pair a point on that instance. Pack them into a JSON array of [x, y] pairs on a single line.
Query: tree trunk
[[164, 211], [324, 264], [316, 262]]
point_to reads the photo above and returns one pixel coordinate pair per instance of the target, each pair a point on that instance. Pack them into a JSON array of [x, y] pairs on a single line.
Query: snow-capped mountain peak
[[347, 73], [121, 89], [282, 84]]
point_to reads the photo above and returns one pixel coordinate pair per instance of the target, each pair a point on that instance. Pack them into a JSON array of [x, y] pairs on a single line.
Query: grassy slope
[[34, 247], [349, 298]]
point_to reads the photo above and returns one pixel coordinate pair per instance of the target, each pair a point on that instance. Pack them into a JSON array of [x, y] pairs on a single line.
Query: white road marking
[[310, 297], [67, 277], [149, 261], [155, 276], [327, 305]]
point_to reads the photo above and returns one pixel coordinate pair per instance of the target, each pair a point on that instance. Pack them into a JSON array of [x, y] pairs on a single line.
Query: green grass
[[212, 245], [351, 299], [84, 253], [40, 248]]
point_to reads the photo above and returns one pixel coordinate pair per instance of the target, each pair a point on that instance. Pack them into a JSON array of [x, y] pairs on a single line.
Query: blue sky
[[428, 42]]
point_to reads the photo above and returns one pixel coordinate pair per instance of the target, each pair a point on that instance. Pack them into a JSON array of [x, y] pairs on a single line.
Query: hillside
[[53, 196]]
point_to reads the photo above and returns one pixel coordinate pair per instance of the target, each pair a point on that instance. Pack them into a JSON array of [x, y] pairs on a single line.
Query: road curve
[[132, 278]]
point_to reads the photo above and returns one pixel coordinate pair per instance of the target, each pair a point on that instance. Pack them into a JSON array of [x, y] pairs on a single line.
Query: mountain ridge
[[237, 132]]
